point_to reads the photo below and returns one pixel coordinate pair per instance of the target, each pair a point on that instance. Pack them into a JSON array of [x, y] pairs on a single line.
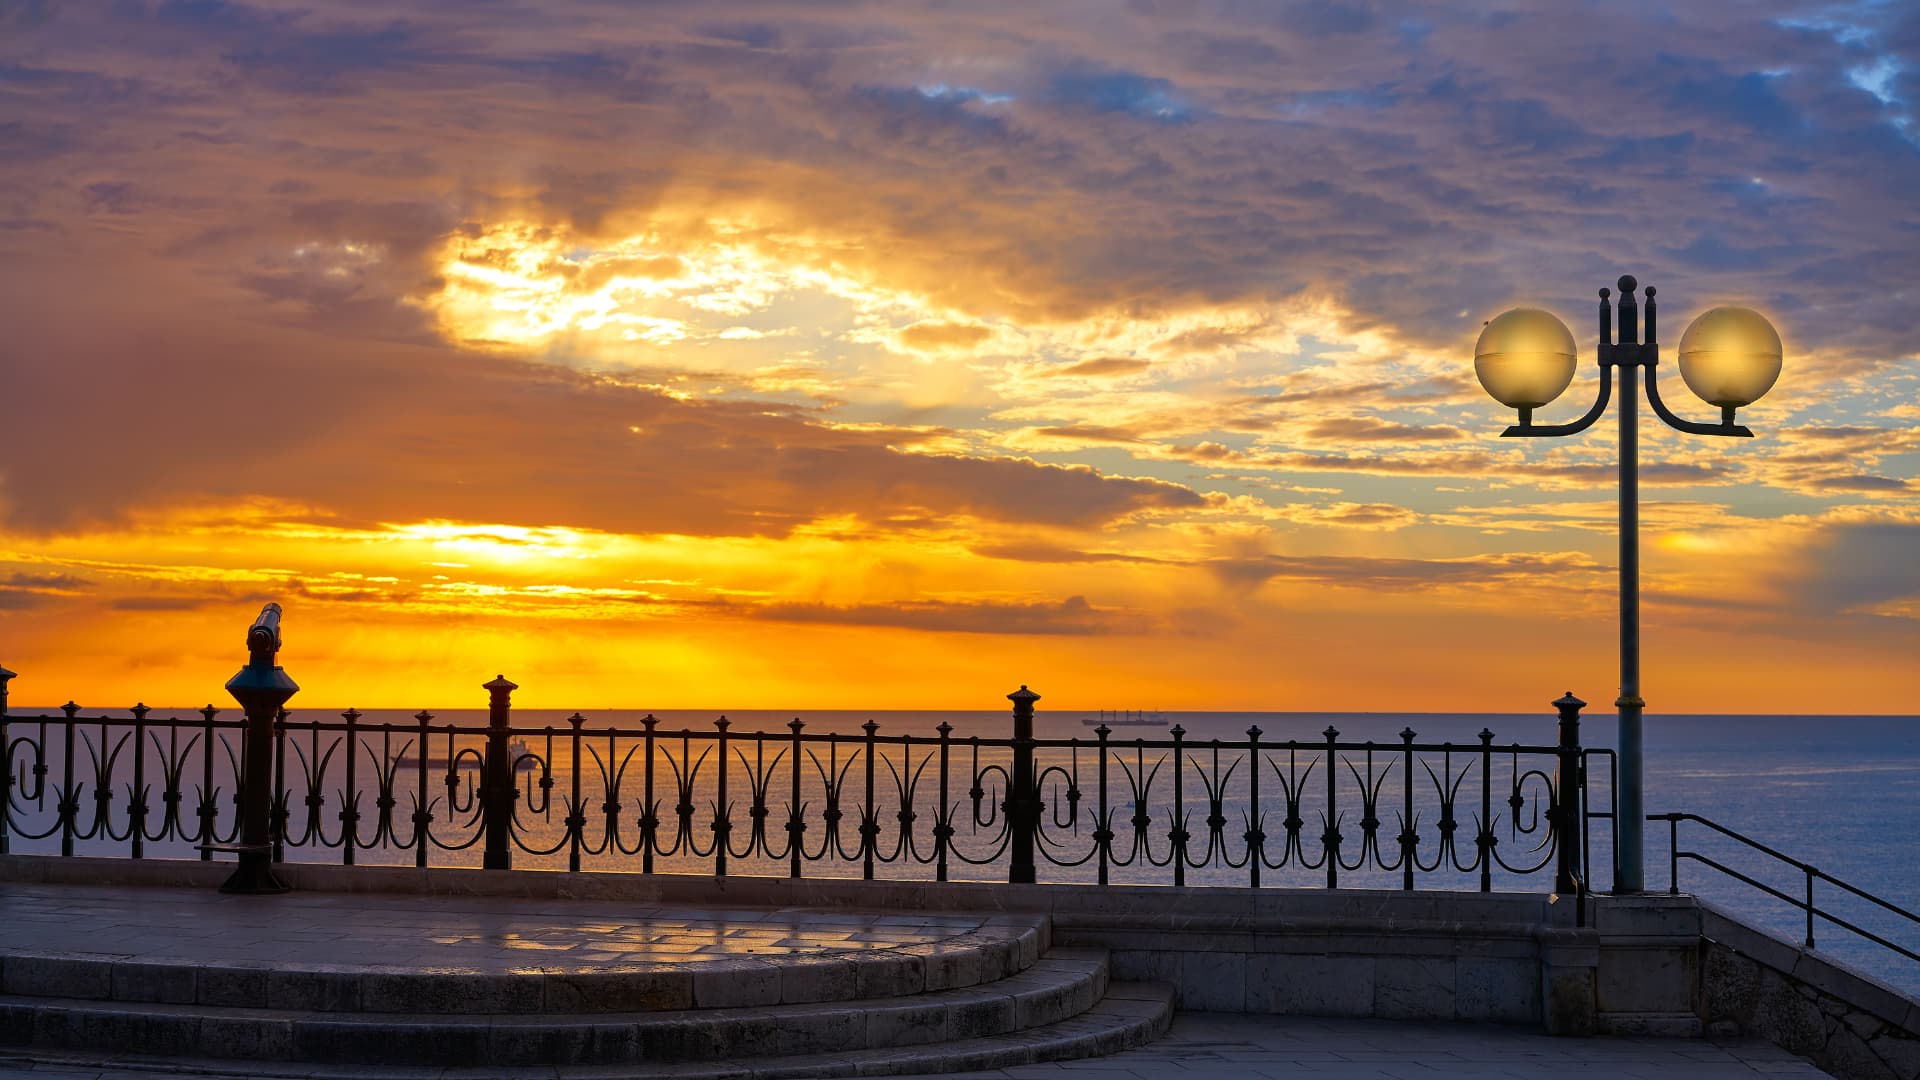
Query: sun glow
[[500, 544], [1693, 542], [760, 306], [519, 285], [640, 619]]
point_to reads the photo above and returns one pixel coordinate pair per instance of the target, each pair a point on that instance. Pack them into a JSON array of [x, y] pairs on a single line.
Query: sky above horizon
[[890, 355]]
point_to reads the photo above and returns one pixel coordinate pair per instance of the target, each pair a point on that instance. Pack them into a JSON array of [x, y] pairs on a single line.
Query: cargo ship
[[517, 750], [1126, 718]]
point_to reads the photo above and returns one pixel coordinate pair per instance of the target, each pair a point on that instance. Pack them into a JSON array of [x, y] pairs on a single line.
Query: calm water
[[1842, 793]]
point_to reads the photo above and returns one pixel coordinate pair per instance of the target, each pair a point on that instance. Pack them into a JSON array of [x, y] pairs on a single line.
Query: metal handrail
[[1809, 872]]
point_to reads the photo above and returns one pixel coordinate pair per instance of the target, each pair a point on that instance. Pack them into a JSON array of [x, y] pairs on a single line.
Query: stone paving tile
[[1206, 1046], [317, 930]]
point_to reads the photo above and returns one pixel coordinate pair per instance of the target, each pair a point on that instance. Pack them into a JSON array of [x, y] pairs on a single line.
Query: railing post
[[281, 812], [649, 818], [1566, 792], [209, 810], [422, 801], [6, 761], [1023, 796], [1177, 835], [870, 813], [1330, 837], [497, 794], [1810, 873], [1255, 837], [1103, 825], [1673, 854], [137, 802], [1409, 836], [350, 797], [722, 809], [576, 808], [942, 823], [261, 688], [796, 820], [1487, 838], [69, 795]]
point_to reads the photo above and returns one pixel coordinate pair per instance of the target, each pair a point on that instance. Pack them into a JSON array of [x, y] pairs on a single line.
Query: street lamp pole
[[1729, 357], [1630, 859]]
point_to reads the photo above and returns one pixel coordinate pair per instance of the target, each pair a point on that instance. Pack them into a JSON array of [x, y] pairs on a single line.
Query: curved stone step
[[1059, 986], [1131, 1015], [1000, 946]]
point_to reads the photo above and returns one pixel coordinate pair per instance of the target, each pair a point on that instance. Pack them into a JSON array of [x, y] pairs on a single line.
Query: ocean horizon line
[[18, 712]]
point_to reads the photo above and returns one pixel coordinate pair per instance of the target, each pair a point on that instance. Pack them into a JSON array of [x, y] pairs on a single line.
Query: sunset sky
[[889, 355]]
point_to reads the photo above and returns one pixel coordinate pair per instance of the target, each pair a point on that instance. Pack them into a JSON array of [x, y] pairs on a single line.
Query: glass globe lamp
[[1524, 358], [1730, 357]]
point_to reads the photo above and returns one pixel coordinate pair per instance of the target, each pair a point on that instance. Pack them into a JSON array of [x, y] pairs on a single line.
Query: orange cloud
[[641, 351], [1101, 366], [942, 335]]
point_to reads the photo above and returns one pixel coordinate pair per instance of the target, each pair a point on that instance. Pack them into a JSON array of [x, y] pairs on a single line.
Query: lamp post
[[1729, 357]]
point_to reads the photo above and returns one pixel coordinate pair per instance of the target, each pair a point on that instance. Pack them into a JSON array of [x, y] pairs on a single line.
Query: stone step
[[1063, 984], [1001, 946], [1670, 1025], [1131, 1015]]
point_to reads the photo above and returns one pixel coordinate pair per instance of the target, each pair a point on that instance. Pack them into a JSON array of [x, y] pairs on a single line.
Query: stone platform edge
[[968, 960], [1367, 910]]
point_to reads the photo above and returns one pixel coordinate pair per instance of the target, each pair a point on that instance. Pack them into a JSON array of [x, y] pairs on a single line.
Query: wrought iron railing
[[1805, 902], [642, 796], [196, 761]]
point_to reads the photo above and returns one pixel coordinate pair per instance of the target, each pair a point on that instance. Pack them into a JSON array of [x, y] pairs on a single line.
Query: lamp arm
[[1726, 427], [1526, 428]]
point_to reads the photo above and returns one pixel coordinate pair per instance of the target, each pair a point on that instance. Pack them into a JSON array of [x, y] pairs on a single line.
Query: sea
[[1840, 793]]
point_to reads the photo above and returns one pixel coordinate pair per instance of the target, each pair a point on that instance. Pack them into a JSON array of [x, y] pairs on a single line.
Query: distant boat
[[517, 750], [1126, 718]]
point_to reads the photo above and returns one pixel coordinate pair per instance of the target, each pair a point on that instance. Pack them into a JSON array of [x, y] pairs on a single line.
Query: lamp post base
[[253, 878]]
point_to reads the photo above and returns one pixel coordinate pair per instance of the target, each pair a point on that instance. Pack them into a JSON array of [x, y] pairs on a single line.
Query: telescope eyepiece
[[263, 637]]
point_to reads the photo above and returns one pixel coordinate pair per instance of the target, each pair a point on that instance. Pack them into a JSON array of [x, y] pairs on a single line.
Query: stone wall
[[1428, 956], [1852, 1026]]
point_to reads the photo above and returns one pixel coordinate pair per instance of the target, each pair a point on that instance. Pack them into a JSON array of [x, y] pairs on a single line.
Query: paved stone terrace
[[486, 934], [1213, 1046], [506, 934]]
